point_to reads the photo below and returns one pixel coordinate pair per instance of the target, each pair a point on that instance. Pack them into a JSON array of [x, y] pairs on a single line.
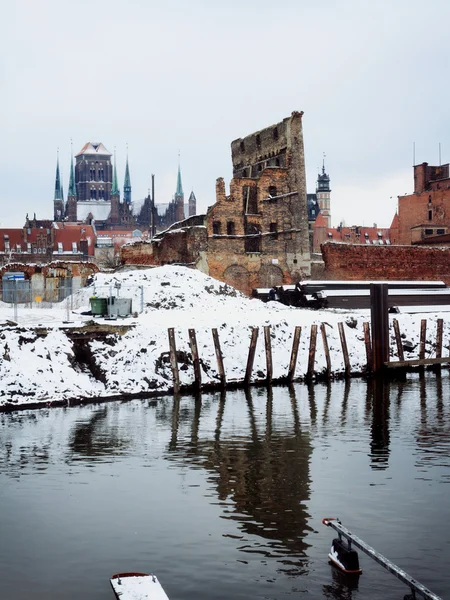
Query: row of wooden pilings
[[377, 349]]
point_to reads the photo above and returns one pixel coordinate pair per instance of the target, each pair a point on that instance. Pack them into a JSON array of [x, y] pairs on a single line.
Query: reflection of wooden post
[[251, 355], [423, 338], [344, 349], [398, 339], [219, 357], [327, 350], [312, 352], [195, 358], [294, 353], [368, 345], [439, 331], [268, 346], [173, 361]]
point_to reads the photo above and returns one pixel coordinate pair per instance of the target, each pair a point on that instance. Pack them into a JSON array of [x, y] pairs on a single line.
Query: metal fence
[[59, 294]]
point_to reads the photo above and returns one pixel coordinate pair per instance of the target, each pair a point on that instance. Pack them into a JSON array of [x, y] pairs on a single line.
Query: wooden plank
[[326, 349], [219, 357], [418, 362], [174, 361], [344, 349], [294, 353], [439, 335], [368, 345], [268, 346], [423, 338], [251, 355], [398, 340], [312, 352], [137, 586], [195, 358]]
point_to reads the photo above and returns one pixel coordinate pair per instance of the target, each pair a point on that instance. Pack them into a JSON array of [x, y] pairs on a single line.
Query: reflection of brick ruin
[[257, 235]]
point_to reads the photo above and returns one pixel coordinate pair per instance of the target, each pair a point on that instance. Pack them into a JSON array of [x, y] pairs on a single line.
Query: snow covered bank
[[44, 369]]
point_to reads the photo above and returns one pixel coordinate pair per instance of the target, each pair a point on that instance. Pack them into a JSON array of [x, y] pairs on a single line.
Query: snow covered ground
[[43, 369]]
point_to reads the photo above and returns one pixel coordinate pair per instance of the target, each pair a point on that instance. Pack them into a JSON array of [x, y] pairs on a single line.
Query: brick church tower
[[93, 173], [323, 194]]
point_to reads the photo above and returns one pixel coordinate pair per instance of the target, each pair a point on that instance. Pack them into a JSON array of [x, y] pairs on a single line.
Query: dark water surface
[[223, 497]]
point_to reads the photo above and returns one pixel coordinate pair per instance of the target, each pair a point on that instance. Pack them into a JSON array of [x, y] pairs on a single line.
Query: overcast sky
[[192, 75]]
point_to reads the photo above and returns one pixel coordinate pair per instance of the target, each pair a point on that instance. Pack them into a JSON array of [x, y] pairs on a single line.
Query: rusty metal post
[[294, 352], [398, 339], [344, 349], [219, 357], [268, 345], [251, 356], [173, 360], [195, 358], [326, 349], [312, 353], [379, 316]]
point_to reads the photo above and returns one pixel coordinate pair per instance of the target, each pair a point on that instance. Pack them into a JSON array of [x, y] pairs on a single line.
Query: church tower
[[323, 194], [179, 199], [58, 199], [71, 212], [192, 204], [115, 195], [127, 185]]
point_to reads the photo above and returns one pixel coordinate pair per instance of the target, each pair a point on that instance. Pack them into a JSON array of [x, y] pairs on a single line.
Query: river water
[[223, 496]]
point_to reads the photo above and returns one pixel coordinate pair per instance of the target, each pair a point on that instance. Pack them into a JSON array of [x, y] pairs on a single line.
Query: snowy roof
[[99, 209], [96, 148]]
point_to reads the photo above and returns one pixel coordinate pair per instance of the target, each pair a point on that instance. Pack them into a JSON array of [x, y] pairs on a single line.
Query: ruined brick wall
[[176, 246], [352, 262]]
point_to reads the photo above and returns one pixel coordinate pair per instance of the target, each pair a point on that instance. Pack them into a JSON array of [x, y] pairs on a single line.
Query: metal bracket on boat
[[342, 531]]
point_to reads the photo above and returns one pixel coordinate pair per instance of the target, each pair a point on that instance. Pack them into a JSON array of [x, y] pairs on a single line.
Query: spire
[[127, 184], [179, 191], [72, 187], [58, 186], [115, 185]]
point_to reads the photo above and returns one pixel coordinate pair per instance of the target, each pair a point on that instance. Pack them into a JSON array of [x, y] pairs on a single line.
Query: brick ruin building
[[257, 235], [424, 215]]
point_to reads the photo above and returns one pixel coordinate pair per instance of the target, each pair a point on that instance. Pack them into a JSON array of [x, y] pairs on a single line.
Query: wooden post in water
[[344, 349], [368, 345], [173, 360], [251, 356], [268, 345], [326, 348], [398, 339], [379, 317], [195, 358], [312, 353], [294, 353], [215, 335], [439, 332], [423, 338]]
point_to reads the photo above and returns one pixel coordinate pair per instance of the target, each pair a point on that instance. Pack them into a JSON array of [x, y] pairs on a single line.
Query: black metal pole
[[381, 560]]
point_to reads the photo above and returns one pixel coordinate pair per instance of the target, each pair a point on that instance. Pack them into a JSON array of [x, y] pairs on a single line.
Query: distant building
[[425, 214], [356, 234], [94, 196]]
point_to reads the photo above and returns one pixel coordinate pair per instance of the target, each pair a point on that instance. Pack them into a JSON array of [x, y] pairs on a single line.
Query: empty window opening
[[275, 133], [430, 215], [216, 227], [250, 198], [253, 239], [277, 162], [273, 228], [242, 146], [231, 229], [272, 190], [258, 141]]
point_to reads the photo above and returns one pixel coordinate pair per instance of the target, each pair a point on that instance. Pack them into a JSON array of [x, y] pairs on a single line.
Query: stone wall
[[352, 262]]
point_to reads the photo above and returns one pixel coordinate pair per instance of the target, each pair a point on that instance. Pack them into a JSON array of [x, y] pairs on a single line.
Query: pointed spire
[[127, 183], [179, 191], [115, 185], [58, 185], [72, 187]]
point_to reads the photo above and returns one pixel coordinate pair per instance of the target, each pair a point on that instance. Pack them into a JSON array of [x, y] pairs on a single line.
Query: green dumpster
[[99, 307]]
